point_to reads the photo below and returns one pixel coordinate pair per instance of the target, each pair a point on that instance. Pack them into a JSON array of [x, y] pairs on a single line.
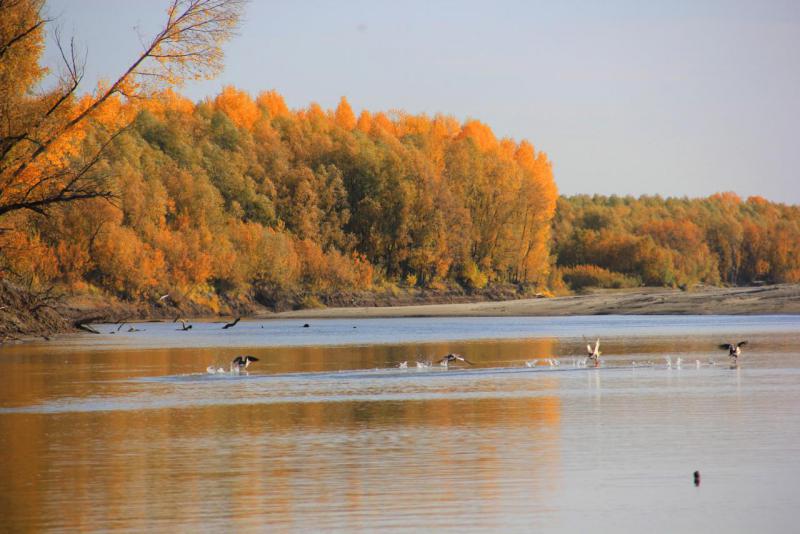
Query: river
[[129, 431]]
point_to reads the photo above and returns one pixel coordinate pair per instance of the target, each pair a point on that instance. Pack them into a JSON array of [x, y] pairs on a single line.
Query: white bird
[[594, 353], [214, 370], [403, 365], [734, 351], [531, 363], [669, 362], [423, 365], [678, 363]]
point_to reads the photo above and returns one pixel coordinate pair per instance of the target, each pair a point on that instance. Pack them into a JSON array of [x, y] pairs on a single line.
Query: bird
[[734, 351], [594, 353], [232, 324], [403, 365], [445, 361], [240, 363], [184, 327], [423, 365]]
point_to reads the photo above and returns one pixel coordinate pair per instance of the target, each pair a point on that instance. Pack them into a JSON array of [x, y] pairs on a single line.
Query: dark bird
[[734, 351], [451, 358], [306, 325], [241, 363], [697, 478], [184, 327], [231, 325]]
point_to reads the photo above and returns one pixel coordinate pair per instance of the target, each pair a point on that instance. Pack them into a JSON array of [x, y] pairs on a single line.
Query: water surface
[[127, 431]]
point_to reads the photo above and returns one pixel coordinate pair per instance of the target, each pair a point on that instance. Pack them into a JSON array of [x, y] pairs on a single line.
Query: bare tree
[[41, 161]]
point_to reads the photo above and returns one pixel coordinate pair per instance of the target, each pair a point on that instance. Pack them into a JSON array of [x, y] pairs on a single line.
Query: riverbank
[[22, 316], [777, 299]]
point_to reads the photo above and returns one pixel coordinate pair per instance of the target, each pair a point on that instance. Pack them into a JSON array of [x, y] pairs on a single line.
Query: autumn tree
[[41, 162]]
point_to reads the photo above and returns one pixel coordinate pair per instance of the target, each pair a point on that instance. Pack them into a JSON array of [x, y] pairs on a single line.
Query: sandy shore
[[778, 299]]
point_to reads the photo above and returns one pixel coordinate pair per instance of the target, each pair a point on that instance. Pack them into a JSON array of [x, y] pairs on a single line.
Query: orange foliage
[[238, 106], [480, 133], [364, 121], [344, 116], [273, 103]]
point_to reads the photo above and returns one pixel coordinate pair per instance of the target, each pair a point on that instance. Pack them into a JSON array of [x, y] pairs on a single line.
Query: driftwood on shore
[[84, 324]]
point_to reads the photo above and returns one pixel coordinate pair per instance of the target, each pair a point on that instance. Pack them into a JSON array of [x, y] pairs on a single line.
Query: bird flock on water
[[240, 363]]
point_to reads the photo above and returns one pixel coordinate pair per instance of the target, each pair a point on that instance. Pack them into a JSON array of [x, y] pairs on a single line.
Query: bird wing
[[589, 349], [725, 346], [597, 345], [742, 343]]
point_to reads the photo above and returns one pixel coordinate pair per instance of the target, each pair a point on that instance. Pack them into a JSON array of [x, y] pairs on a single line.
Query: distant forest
[[675, 242]]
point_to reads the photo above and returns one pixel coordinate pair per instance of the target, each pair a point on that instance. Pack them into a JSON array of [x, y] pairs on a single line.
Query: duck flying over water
[[240, 363], [453, 357], [594, 353], [734, 351]]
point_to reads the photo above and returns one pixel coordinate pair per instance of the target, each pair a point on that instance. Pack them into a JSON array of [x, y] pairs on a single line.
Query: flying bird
[[444, 362], [184, 327], [594, 353], [734, 351], [240, 363]]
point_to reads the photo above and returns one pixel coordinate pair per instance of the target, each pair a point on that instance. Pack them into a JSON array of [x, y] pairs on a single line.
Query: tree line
[[612, 241]]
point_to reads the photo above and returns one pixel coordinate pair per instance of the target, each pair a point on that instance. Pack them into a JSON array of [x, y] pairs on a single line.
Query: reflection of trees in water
[[248, 464]]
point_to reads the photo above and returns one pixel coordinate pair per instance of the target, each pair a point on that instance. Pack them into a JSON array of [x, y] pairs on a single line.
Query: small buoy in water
[[306, 325], [697, 478]]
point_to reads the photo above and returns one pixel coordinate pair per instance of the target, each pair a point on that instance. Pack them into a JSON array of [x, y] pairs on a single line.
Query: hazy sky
[[674, 97]]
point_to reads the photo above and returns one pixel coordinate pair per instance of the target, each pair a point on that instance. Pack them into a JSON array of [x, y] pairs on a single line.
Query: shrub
[[581, 276]]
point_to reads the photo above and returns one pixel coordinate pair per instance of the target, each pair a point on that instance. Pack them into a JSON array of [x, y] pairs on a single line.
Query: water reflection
[[315, 464]]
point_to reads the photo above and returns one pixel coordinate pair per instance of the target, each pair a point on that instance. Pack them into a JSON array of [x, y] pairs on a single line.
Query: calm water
[[127, 431]]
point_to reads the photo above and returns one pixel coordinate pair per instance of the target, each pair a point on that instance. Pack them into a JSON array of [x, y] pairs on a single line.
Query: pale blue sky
[[674, 97]]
